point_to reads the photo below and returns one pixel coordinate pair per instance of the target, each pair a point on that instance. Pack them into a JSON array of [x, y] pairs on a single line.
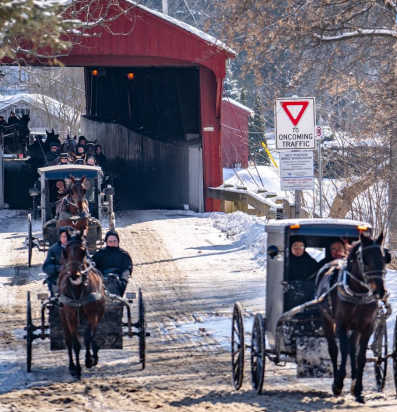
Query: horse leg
[[341, 332], [73, 328], [95, 349], [88, 338], [332, 346], [353, 358], [361, 360], [68, 342]]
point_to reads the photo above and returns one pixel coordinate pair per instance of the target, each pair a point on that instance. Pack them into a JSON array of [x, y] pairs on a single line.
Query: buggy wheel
[[30, 240], [238, 346], [142, 330], [29, 334], [395, 355], [379, 347], [258, 353]]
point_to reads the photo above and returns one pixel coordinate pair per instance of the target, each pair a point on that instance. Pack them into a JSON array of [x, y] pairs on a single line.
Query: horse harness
[[81, 301], [345, 292]]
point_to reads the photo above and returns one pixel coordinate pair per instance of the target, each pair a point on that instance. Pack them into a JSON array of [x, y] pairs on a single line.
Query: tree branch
[[358, 33]]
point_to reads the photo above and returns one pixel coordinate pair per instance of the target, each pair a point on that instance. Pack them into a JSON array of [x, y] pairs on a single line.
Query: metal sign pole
[[298, 203]]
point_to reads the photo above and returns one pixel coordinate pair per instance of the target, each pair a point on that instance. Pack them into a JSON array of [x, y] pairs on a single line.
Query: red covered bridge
[[153, 101]]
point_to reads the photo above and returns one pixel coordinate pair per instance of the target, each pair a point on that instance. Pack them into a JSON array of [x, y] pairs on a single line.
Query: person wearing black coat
[[12, 119], [114, 260], [100, 158], [337, 250], [53, 263], [2, 121], [301, 265]]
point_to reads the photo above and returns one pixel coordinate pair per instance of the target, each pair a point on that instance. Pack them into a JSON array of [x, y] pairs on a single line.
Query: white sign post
[[296, 170], [295, 120]]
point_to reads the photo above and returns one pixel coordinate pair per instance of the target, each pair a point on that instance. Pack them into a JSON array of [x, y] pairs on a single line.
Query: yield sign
[[294, 110]]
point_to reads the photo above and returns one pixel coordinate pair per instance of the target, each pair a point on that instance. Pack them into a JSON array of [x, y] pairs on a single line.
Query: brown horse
[[73, 210], [352, 307], [82, 296]]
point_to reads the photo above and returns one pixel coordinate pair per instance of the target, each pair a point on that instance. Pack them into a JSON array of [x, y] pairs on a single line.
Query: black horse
[[353, 307], [51, 138], [69, 146], [16, 137]]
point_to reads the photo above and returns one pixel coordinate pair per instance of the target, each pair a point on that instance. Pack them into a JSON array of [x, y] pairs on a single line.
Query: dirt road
[[191, 275]]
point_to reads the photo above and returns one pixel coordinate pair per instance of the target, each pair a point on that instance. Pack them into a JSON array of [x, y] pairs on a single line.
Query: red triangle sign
[[295, 119]]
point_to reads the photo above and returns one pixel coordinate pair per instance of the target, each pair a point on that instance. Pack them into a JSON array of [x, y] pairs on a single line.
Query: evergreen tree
[[230, 85], [243, 96], [256, 134]]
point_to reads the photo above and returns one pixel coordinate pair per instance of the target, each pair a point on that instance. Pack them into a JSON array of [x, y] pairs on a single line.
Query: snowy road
[[191, 274]]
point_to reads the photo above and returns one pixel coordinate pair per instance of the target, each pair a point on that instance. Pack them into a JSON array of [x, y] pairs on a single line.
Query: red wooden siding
[[212, 149], [234, 134]]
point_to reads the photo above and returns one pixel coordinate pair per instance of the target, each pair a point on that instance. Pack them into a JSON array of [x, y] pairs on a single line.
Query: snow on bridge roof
[[238, 104], [187, 27]]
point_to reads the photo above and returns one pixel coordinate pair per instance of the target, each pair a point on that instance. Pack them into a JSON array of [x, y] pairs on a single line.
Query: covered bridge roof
[[145, 37]]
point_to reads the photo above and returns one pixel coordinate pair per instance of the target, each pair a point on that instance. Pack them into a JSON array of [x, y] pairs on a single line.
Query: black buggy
[[292, 330], [45, 196]]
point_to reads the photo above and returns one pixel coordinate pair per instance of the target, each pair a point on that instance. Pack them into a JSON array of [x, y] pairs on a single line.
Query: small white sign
[[319, 132], [297, 170], [295, 120]]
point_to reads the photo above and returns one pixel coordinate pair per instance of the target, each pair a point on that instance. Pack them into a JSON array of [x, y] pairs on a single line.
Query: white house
[[45, 113]]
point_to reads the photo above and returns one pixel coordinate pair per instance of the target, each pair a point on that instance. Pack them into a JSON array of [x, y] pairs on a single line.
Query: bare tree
[[343, 53]]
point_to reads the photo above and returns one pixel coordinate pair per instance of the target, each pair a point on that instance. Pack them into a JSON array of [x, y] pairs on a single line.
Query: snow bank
[[247, 231]]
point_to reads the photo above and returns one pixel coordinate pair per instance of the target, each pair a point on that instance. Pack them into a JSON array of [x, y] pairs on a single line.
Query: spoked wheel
[[258, 353], [29, 334], [395, 355], [142, 330], [379, 347], [30, 240], [238, 345]]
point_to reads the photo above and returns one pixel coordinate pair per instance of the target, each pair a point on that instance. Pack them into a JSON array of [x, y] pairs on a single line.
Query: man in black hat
[[114, 261], [53, 263], [64, 159], [301, 265], [52, 155], [12, 119]]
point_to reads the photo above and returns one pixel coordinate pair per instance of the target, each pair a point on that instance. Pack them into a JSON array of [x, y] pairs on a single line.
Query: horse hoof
[[360, 399], [337, 391], [89, 363]]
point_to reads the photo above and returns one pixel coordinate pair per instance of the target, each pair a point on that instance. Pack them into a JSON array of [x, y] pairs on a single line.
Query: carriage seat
[[111, 281]]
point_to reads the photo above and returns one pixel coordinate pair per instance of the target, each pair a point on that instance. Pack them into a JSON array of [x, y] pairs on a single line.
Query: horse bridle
[[369, 275]]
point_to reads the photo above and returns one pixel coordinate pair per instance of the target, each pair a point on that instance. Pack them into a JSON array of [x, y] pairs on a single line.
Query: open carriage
[[292, 329], [46, 191], [116, 323]]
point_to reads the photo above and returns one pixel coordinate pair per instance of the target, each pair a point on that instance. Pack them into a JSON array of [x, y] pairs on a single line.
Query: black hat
[[67, 229], [52, 144], [298, 238], [82, 138], [79, 162], [64, 155], [112, 233]]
